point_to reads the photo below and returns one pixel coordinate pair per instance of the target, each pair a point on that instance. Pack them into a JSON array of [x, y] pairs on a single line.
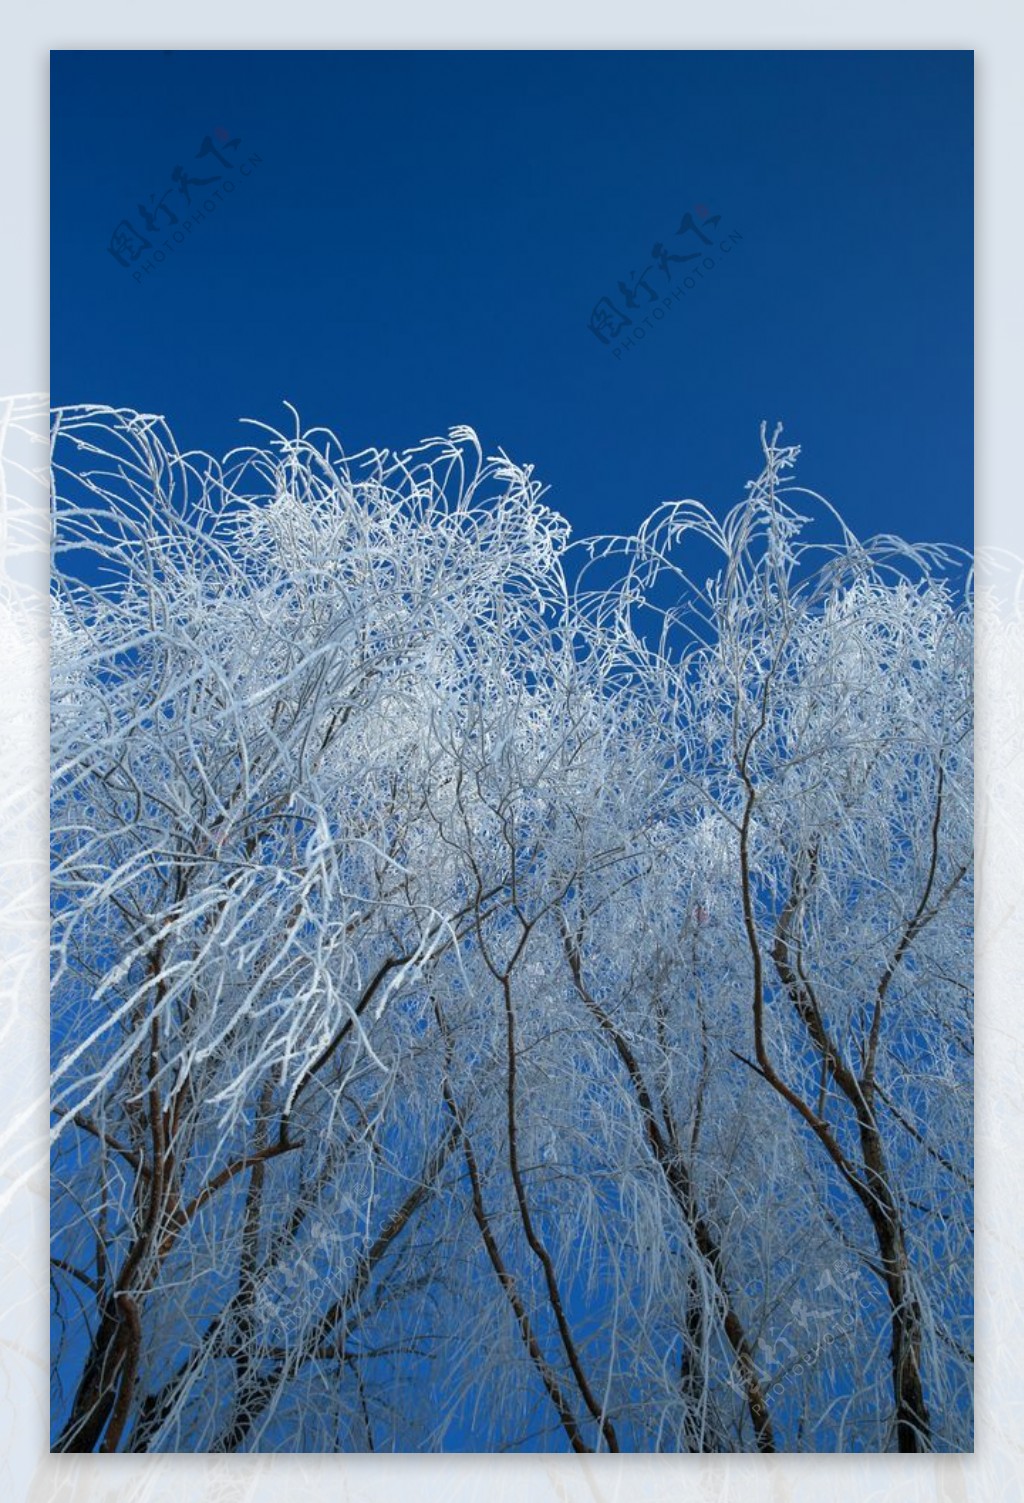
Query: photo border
[[994, 1472]]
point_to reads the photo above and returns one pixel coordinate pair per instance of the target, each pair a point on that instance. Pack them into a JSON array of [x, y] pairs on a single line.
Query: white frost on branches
[[506, 992]]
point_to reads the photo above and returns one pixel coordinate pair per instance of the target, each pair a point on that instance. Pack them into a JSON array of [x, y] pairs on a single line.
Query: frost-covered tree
[[508, 993]]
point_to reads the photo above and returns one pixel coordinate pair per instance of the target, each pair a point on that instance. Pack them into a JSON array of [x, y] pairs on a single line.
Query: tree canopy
[[509, 992]]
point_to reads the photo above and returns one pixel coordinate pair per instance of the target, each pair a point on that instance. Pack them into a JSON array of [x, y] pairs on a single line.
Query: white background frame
[[995, 1473]]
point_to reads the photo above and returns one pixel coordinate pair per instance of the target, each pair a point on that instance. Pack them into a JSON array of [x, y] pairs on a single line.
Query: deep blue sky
[[426, 234]]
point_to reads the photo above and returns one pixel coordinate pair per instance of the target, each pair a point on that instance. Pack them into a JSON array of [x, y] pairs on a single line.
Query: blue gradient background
[[426, 234]]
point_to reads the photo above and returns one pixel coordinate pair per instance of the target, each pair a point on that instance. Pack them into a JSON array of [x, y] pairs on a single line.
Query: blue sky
[[424, 236]]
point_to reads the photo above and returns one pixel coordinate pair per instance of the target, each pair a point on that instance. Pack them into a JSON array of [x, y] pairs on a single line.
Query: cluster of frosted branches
[[507, 993]]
